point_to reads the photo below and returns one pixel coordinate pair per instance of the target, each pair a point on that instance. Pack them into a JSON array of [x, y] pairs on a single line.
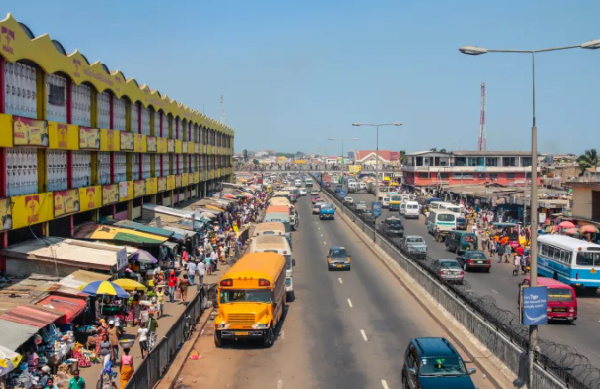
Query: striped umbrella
[[129, 284], [104, 287], [572, 231], [566, 224], [588, 229]]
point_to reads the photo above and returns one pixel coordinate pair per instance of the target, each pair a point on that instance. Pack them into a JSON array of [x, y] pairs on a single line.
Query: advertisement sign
[[197, 148], [342, 193], [89, 138], [178, 181], [151, 185], [63, 136], [394, 155], [151, 144], [161, 145], [126, 141], [110, 140], [139, 188], [354, 168], [110, 194], [196, 177], [122, 259], [185, 179], [170, 145], [90, 198], [125, 190], [66, 202], [139, 143], [178, 146], [30, 132], [6, 214], [534, 303], [32, 209], [376, 208], [185, 147], [170, 182], [162, 184]]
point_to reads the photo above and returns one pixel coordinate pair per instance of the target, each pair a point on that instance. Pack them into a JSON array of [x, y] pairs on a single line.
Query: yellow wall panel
[[32, 209], [90, 198]]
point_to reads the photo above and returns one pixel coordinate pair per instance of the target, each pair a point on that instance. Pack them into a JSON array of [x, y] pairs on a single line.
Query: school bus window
[[245, 295]]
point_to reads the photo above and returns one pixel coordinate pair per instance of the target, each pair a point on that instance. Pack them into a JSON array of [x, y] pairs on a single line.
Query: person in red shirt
[[172, 284]]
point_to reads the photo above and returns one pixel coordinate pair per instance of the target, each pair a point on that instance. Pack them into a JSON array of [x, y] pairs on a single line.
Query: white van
[[402, 208], [352, 186], [298, 183], [411, 210], [385, 202], [440, 223], [277, 244], [450, 207]]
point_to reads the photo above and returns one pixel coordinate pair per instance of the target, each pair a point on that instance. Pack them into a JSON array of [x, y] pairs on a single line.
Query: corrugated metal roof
[[15, 334], [117, 234], [32, 315], [82, 277], [144, 228]]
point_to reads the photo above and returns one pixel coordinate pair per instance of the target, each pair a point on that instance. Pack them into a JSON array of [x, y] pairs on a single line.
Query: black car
[[392, 228], [368, 216], [474, 260]]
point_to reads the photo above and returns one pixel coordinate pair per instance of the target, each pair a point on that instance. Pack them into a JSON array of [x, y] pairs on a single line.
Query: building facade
[[432, 168], [369, 158], [586, 201], [79, 142]]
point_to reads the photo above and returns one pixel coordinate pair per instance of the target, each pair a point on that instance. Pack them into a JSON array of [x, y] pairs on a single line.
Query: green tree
[[443, 151], [589, 159], [433, 149]]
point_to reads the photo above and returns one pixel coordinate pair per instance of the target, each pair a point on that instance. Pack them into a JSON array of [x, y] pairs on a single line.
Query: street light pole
[[473, 50], [397, 124]]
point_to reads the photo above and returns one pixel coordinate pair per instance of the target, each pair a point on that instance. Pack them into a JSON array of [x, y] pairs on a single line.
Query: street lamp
[[474, 50], [397, 124], [342, 140]]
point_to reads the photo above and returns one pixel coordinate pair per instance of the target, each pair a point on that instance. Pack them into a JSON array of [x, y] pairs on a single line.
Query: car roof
[[434, 347], [474, 251], [337, 248], [446, 260], [545, 281], [413, 236]]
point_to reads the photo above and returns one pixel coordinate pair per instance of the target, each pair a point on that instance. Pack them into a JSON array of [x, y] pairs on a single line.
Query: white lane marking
[[279, 384], [321, 235], [324, 242], [282, 334], [318, 228], [362, 332], [340, 280], [385, 385], [350, 303], [495, 291]]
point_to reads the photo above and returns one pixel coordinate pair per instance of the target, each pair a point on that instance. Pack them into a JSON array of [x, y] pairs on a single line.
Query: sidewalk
[[172, 312]]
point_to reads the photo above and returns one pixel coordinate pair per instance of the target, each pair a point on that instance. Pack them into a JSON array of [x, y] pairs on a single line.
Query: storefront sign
[[110, 140], [534, 305], [90, 198], [170, 145], [89, 138], [110, 194], [32, 209], [63, 136], [139, 143], [162, 184], [170, 182], [125, 190], [178, 181], [66, 202], [185, 179], [196, 177], [161, 145], [178, 146], [126, 141], [30, 132], [152, 185], [6, 214], [151, 144], [139, 188]]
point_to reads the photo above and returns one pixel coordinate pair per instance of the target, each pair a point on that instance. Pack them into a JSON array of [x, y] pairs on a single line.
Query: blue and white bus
[[571, 261]]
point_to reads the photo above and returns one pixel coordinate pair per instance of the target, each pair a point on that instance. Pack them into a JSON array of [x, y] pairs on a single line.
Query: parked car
[[392, 228], [316, 208], [338, 259], [470, 260], [434, 363], [302, 191], [385, 202], [361, 206], [349, 200], [449, 270], [414, 246]]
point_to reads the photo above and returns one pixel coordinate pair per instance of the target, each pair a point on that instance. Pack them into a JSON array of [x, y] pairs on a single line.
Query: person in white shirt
[[200, 269], [214, 258], [191, 268], [143, 338]]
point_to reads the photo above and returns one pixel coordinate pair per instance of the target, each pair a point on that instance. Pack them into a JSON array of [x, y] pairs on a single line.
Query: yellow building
[[79, 141]]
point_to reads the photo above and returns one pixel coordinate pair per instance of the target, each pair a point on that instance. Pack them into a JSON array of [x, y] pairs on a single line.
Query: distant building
[[261, 153], [369, 157], [586, 201], [433, 168]]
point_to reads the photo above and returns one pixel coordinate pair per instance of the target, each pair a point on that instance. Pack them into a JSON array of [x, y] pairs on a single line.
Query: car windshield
[[338, 253], [396, 198], [361, 203], [450, 264], [245, 295], [327, 206], [474, 255], [418, 240], [559, 294], [442, 366], [394, 223], [446, 217]]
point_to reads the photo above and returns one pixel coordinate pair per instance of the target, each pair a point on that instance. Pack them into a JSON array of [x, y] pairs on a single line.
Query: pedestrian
[[143, 339], [191, 269], [214, 257], [76, 382], [200, 269], [126, 367], [184, 283], [500, 251], [152, 326], [50, 384], [135, 307], [160, 296], [172, 284], [507, 251], [113, 335], [106, 351], [516, 263]]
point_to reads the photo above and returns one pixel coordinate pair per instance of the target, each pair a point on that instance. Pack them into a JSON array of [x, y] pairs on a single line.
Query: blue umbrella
[[95, 288]]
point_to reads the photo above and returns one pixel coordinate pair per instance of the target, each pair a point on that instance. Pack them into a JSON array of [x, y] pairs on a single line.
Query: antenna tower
[[223, 109], [482, 144]]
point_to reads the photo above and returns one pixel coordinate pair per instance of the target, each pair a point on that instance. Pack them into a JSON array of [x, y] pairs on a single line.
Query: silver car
[[449, 270]]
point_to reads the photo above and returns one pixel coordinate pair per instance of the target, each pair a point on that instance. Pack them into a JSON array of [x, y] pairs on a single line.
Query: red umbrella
[[571, 231], [566, 224], [588, 229]]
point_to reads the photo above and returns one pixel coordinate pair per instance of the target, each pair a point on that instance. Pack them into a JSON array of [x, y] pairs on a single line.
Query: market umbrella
[[588, 229], [566, 224], [104, 287], [143, 256], [129, 284], [572, 231], [9, 360], [229, 196]]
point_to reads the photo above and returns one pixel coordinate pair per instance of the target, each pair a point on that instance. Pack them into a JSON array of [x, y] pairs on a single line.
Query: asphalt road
[[503, 287], [344, 330]]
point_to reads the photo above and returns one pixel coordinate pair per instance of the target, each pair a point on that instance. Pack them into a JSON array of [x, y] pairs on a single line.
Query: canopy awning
[[83, 277], [71, 307], [15, 334], [118, 234], [171, 245], [144, 228], [32, 315], [181, 232]]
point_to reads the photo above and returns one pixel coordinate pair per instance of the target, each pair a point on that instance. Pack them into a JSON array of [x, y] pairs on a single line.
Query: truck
[[327, 211], [308, 182]]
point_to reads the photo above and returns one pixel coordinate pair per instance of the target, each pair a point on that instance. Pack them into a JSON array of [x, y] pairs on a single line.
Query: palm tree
[[589, 159]]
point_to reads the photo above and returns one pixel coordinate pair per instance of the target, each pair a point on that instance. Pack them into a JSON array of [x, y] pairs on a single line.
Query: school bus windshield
[[245, 295]]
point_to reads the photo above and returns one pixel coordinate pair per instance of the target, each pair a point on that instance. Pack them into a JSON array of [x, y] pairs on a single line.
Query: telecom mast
[[482, 144], [223, 109]]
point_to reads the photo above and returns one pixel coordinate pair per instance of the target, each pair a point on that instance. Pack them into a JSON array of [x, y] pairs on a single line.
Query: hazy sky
[[296, 72]]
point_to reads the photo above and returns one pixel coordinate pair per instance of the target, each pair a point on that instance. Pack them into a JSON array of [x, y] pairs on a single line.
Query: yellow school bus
[[251, 299]]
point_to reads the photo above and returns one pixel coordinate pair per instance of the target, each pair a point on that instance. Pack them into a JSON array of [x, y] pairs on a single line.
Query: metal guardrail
[[557, 366]]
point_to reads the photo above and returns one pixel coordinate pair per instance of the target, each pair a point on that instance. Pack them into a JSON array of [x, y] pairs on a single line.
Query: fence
[[557, 366], [156, 363]]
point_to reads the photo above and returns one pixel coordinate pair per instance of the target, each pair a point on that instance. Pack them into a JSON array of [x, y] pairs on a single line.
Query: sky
[[294, 73]]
